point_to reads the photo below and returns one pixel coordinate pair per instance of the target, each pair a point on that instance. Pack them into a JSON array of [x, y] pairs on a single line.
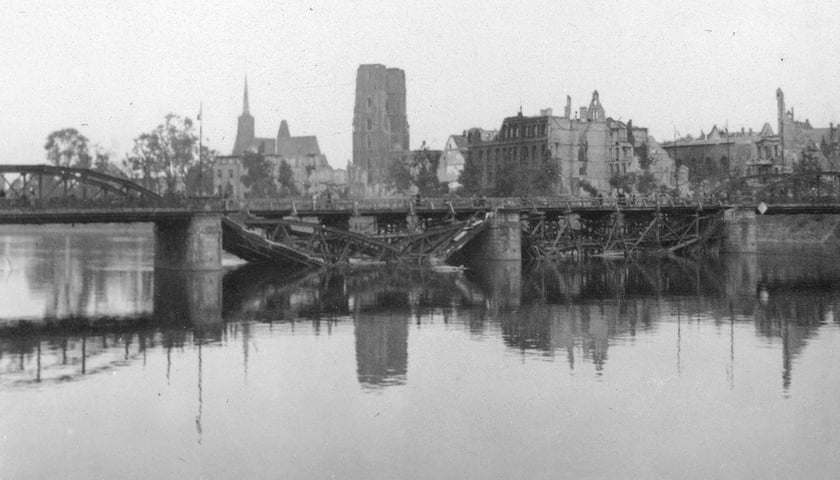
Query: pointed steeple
[[245, 126], [245, 108]]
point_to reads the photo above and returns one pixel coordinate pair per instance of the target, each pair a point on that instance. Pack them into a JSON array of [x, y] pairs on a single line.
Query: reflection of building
[[381, 349], [380, 123], [588, 148], [310, 170]]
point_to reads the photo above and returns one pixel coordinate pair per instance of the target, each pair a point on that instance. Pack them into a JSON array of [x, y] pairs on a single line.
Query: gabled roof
[[295, 146], [766, 130]]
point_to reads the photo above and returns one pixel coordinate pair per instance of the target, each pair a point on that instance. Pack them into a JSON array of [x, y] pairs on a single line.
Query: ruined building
[[380, 125], [718, 156], [587, 148]]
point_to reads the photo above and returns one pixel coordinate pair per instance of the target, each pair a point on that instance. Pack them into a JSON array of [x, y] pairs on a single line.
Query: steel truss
[[46, 185], [333, 246], [593, 234]]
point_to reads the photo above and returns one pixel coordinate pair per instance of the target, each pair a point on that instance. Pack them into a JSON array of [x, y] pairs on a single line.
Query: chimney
[[568, 111], [546, 112]]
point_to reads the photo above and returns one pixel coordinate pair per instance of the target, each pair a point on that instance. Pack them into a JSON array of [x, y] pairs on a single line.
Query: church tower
[[245, 135], [380, 123]]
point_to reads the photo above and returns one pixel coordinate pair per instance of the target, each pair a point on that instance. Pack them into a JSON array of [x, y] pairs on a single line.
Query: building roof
[[460, 141], [264, 145], [295, 146]]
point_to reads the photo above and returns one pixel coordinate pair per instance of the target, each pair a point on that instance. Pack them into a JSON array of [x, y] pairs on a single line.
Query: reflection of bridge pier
[[189, 298], [501, 281]]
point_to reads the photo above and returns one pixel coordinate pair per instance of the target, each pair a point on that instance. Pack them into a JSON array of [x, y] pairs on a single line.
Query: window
[[230, 173], [370, 102], [220, 173], [368, 141], [369, 124]]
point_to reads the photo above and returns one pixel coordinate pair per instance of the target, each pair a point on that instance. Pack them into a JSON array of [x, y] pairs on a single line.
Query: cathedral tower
[[245, 135], [380, 123]]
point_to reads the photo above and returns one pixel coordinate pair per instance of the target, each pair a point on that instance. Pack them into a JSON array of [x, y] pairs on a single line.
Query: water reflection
[[695, 356], [103, 307]]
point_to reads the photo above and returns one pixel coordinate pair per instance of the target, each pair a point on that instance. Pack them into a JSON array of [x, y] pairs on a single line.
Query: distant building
[[590, 148], [380, 123], [720, 155], [798, 136], [452, 159], [311, 171], [312, 175]]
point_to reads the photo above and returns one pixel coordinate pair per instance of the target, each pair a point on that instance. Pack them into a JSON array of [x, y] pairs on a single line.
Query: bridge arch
[[48, 184]]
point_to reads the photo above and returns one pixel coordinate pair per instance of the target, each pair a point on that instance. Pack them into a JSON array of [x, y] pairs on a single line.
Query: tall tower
[[245, 135], [380, 124], [780, 107]]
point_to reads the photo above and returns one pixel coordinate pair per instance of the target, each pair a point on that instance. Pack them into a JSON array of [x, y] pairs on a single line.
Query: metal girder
[[617, 234]]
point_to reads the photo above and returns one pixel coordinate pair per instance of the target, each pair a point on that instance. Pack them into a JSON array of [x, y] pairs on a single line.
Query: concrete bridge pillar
[[502, 240], [190, 243], [741, 231]]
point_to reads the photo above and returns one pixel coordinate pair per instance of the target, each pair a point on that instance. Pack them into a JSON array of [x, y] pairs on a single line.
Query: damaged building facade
[[588, 148], [720, 155]]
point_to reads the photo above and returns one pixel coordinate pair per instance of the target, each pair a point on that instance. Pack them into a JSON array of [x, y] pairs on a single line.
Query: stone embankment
[[813, 229]]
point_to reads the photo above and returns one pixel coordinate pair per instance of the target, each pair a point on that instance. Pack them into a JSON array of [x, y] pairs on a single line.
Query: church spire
[[245, 109]]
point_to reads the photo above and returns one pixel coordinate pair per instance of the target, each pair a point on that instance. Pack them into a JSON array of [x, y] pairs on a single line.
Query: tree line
[[165, 159]]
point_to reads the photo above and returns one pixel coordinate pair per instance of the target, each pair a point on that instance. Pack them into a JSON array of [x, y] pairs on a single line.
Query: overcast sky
[[114, 69]]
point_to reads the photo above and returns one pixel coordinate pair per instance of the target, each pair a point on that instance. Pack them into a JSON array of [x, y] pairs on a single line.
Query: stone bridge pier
[[190, 243], [502, 240], [741, 231]]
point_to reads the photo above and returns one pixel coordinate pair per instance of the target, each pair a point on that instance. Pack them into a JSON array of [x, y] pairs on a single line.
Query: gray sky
[[114, 69]]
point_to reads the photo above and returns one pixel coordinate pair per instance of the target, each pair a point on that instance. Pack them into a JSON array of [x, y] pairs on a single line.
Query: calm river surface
[[725, 368]]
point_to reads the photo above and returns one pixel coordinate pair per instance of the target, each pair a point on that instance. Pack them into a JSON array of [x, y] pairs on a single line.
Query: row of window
[[522, 154], [622, 153], [220, 174], [617, 168], [707, 165], [527, 131]]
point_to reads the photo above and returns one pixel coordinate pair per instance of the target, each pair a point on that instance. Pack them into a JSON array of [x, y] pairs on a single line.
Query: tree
[[199, 179], [643, 183], [68, 148], [286, 179], [102, 163], [470, 177], [418, 170], [166, 153], [259, 176], [812, 161]]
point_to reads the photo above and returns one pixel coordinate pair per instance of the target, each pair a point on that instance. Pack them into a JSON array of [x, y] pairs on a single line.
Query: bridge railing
[[296, 206], [461, 203]]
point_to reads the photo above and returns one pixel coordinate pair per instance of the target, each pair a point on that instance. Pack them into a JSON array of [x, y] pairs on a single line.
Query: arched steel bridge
[[38, 194], [321, 234]]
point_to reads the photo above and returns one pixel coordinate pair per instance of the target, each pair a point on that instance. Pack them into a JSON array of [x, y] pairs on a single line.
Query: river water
[[722, 368]]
